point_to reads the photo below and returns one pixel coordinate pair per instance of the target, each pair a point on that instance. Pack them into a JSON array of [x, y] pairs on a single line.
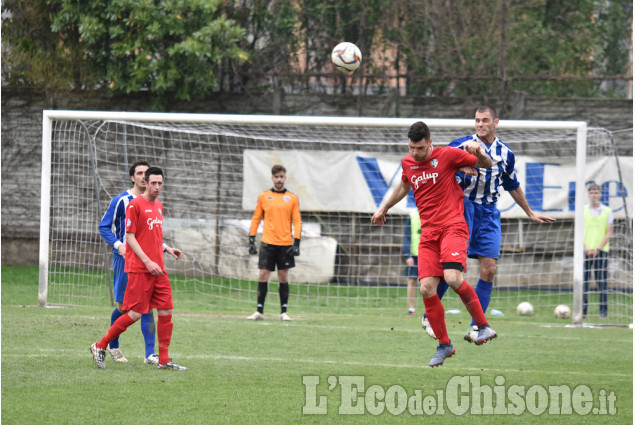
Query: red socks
[[473, 305], [436, 316], [115, 330], [164, 335]]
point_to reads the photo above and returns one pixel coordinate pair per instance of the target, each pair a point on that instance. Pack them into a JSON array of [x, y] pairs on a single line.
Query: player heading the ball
[[430, 172]]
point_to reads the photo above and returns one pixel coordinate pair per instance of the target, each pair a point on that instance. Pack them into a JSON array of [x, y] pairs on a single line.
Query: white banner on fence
[[333, 181]]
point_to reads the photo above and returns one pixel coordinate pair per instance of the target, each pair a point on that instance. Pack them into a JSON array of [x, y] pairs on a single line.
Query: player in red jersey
[[148, 282], [430, 172]]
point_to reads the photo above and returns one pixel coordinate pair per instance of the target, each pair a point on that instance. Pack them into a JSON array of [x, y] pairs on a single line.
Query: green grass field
[[253, 372]]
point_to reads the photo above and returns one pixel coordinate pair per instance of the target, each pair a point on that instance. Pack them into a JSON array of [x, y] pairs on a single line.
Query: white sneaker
[[117, 355], [285, 317], [152, 359], [171, 366], [485, 333], [426, 326], [99, 356], [472, 334], [256, 316]]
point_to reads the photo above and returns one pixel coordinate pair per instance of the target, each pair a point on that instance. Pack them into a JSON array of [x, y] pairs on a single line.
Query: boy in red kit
[[430, 171], [148, 283]]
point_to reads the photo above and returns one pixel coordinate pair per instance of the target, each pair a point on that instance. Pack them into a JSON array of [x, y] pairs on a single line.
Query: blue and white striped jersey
[[113, 224], [483, 189]]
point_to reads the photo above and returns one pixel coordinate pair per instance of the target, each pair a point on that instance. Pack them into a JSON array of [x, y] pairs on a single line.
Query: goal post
[[580, 199], [45, 205], [342, 168]]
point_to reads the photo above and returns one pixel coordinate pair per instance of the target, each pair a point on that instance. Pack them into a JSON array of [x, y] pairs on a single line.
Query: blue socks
[[148, 330], [484, 293], [442, 287]]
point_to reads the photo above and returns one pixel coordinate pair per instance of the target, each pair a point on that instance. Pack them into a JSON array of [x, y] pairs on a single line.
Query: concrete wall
[[22, 132]]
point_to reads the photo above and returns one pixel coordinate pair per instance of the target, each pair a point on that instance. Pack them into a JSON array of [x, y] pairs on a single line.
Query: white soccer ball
[[562, 312], [525, 309], [346, 57]]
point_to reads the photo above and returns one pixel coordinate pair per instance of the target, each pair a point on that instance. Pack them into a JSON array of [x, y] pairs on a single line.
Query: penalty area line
[[404, 366], [53, 353]]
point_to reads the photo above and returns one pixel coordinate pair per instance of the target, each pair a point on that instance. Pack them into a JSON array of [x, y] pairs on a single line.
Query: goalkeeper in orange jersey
[[279, 245]]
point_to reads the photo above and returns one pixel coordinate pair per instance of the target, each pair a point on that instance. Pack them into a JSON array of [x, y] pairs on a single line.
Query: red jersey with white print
[[145, 220], [438, 196]]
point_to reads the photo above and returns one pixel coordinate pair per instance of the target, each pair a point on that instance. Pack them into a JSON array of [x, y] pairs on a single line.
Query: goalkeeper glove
[[296, 247], [252, 245]]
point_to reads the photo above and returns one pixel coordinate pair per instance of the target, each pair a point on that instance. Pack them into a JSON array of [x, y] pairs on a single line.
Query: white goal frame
[[580, 128]]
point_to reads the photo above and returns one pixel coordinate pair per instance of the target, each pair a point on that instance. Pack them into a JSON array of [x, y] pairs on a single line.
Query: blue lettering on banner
[[535, 185], [571, 196], [375, 180], [613, 189], [610, 189]]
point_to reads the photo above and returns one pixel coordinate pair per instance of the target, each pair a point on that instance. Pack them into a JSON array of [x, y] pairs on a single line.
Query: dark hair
[[419, 131], [594, 186], [277, 168], [486, 108], [134, 166], [156, 171]]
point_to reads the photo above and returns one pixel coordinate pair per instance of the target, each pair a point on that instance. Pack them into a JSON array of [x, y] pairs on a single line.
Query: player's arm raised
[[482, 160], [398, 194]]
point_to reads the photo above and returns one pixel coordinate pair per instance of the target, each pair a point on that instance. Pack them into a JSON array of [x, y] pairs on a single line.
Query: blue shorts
[[120, 278], [412, 272], [484, 222]]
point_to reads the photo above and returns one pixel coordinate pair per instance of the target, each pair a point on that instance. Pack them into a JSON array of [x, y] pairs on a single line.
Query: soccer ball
[[562, 312], [525, 309], [346, 57]]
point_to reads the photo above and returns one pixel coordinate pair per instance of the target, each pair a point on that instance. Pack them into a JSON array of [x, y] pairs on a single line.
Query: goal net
[[342, 169]]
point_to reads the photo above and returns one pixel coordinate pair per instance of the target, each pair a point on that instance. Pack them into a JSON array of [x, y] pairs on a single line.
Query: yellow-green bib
[[595, 227], [415, 232]]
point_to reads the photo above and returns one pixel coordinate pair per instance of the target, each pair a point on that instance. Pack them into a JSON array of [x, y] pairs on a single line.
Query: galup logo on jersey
[[423, 178], [152, 222]]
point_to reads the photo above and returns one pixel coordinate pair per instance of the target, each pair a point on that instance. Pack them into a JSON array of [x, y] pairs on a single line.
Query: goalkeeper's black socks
[[262, 294], [283, 290]]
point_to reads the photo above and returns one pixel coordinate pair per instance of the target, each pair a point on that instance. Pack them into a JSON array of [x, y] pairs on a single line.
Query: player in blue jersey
[[481, 192], [113, 230]]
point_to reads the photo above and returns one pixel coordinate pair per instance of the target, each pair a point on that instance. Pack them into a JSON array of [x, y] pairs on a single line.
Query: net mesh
[[345, 262]]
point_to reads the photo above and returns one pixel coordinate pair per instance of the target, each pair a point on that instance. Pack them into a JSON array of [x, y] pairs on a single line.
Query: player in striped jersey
[[113, 230], [481, 192]]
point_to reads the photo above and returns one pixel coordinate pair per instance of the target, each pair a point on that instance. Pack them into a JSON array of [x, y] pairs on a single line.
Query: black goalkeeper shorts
[[275, 255]]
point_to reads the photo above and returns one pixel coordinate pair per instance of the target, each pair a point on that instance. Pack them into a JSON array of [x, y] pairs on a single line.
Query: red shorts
[[146, 291], [445, 245]]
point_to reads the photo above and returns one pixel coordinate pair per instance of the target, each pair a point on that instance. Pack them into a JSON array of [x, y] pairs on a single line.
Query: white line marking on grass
[[67, 352], [389, 365], [417, 330]]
